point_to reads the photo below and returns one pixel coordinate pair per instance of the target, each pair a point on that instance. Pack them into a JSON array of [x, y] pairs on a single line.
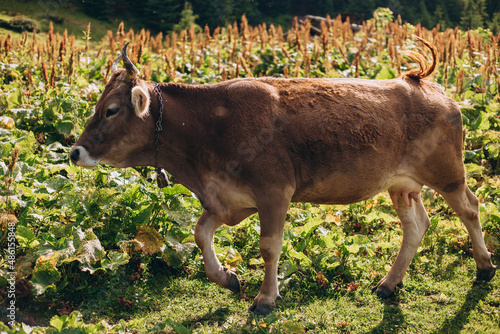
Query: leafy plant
[[85, 233]]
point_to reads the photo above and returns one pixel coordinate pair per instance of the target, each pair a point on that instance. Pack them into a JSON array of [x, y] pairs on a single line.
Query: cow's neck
[[174, 154]]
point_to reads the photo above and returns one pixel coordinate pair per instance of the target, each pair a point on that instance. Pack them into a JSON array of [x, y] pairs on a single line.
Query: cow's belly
[[345, 189], [340, 187], [335, 192]]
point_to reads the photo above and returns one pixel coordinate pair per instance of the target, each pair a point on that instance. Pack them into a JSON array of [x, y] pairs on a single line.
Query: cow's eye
[[112, 111]]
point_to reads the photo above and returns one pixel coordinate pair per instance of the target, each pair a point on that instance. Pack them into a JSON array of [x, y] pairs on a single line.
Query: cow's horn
[[132, 71]]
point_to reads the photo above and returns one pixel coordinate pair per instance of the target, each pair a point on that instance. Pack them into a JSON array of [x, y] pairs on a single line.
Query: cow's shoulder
[[253, 88]]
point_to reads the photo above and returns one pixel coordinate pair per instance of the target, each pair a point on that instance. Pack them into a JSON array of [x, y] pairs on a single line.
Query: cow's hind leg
[[415, 222], [466, 205], [204, 237]]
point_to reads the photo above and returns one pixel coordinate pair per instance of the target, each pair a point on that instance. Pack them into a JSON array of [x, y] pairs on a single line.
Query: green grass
[[75, 21], [438, 298], [101, 211]]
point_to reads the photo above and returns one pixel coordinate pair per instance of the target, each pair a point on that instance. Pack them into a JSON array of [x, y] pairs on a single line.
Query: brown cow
[[255, 145]]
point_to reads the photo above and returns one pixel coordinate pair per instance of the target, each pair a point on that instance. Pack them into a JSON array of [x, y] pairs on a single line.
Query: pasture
[[105, 250]]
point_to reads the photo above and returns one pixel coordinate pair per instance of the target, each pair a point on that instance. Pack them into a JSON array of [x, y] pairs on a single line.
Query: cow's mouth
[[80, 157]]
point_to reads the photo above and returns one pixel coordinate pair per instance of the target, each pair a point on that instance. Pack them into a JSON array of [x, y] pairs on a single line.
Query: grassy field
[[64, 15], [105, 250]]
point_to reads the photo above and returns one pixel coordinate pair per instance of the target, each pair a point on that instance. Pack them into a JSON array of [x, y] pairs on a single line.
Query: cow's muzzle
[[80, 157]]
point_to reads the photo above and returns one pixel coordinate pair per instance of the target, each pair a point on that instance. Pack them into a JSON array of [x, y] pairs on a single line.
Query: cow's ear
[[140, 101]]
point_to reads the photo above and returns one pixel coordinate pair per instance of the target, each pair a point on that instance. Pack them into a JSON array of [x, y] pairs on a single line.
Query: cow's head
[[121, 131]]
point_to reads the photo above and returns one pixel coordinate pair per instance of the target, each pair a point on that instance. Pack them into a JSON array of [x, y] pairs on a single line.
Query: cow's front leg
[[272, 221], [204, 237]]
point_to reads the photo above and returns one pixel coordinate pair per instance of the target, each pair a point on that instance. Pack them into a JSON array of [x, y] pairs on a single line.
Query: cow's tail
[[424, 69]]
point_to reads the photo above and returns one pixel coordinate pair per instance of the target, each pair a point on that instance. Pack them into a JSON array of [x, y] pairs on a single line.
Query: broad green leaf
[[232, 257], [256, 262], [15, 98], [114, 259], [142, 216], [473, 169], [329, 243], [25, 237], [288, 268], [353, 249], [434, 223], [57, 323], [493, 151], [385, 245], [331, 263], [149, 241], [183, 249], [484, 123], [88, 248], [3, 279], [304, 261], [65, 127], [374, 215], [310, 226], [45, 273], [385, 73], [176, 189], [424, 259], [171, 257]]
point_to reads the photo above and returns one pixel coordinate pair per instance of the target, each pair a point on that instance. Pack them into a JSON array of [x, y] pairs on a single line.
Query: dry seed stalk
[[10, 168], [159, 43], [45, 75], [139, 52], [50, 36], [87, 38], [120, 34], [6, 45], [53, 75], [249, 73], [170, 67]]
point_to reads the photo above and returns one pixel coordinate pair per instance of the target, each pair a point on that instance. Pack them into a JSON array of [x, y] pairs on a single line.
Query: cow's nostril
[[75, 154]]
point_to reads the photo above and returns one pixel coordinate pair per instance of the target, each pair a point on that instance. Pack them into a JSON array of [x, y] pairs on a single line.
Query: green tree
[[160, 15], [100, 9], [474, 15], [441, 17], [425, 17], [361, 7], [188, 19], [494, 24]]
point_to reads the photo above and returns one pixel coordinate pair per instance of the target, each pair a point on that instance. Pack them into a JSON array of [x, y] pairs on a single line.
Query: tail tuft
[[424, 69]]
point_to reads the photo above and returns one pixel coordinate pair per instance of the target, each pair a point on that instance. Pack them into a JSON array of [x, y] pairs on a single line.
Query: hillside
[[104, 250], [39, 14]]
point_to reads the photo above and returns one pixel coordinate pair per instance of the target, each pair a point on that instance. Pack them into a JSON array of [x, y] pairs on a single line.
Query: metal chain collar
[[161, 175]]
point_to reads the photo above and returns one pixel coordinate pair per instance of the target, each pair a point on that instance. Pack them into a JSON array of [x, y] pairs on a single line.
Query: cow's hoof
[[384, 292], [233, 283], [486, 274], [261, 309]]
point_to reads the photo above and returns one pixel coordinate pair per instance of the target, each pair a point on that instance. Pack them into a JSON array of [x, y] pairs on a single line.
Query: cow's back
[[321, 133], [340, 130]]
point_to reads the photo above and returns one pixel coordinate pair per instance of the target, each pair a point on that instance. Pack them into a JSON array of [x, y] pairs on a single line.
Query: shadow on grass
[[478, 293], [392, 318], [216, 317], [211, 318]]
